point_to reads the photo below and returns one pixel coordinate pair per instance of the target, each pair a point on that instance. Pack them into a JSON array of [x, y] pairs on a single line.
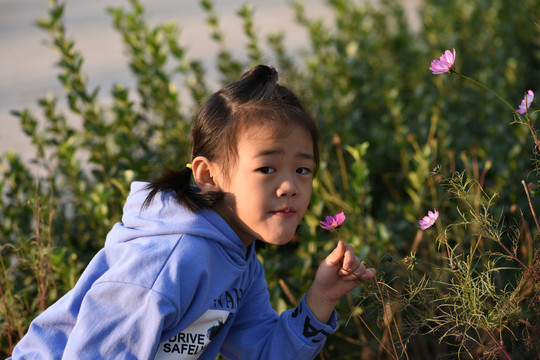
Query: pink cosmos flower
[[429, 220], [444, 64], [526, 102], [333, 222]]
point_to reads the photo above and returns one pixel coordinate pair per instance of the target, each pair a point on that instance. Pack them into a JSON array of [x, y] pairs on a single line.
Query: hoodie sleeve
[[259, 333]]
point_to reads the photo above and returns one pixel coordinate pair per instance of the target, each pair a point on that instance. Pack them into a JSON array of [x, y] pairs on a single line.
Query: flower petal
[[429, 220], [444, 64], [526, 102], [333, 222], [340, 218]]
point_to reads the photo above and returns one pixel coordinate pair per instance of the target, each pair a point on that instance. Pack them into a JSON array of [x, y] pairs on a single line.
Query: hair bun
[[263, 73]]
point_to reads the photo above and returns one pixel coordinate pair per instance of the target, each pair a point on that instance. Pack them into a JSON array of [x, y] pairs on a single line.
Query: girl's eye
[[303, 171], [266, 170]]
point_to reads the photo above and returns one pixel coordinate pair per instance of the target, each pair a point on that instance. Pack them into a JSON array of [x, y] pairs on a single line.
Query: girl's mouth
[[285, 213]]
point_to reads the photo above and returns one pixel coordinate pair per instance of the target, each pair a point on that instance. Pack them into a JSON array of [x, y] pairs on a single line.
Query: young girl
[[179, 277]]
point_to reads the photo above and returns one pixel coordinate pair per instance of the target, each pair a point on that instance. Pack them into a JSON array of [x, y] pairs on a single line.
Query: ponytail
[[188, 195]]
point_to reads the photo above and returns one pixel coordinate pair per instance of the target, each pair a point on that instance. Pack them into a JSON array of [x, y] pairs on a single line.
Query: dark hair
[[256, 99]]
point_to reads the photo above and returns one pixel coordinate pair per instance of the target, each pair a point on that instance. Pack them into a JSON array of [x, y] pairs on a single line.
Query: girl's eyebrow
[[304, 155], [270, 152]]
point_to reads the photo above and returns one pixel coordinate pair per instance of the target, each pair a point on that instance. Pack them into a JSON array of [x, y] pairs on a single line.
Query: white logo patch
[[191, 342]]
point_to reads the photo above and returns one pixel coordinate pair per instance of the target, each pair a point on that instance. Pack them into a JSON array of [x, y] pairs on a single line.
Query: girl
[[179, 277]]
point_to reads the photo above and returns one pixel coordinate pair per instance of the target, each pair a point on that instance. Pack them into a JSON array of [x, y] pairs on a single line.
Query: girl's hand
[[337, 275]]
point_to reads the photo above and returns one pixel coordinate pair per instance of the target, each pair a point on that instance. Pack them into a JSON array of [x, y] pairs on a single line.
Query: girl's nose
[[287, 188]]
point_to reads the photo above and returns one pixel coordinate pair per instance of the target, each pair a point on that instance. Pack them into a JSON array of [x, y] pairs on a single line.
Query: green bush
[[386, 123]]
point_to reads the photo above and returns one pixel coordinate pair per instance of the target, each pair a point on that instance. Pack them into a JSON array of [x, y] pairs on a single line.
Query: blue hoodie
[[172, 284]]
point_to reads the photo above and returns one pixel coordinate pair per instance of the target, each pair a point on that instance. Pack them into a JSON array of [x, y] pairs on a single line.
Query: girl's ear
[[204, 174]]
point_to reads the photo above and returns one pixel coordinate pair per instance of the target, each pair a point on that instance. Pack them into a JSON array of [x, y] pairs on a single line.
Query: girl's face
[[267, 190]]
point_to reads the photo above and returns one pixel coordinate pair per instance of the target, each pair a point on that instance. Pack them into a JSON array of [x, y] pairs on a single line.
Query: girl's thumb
[[336, 255]]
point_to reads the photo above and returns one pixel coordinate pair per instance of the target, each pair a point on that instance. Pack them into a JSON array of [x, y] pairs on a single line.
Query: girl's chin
[[278, 241]]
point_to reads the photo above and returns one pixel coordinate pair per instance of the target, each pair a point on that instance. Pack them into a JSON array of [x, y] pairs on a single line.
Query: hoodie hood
[[166, 216]]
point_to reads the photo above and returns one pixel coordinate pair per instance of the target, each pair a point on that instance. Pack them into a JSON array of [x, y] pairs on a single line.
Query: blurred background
[[27, 63]]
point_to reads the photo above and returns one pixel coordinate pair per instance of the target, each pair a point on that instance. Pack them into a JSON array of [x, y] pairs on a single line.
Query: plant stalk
[[529, 124]]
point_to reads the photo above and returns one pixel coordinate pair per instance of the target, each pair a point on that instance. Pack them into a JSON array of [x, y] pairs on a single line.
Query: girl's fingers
[[349, 258], [369, 274], [351, 264], [360, 274], [350, 267], [354, 273]]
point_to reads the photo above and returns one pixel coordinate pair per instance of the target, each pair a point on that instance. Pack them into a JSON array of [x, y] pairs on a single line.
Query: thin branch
[[375, 336], [530, 205], [499, 345]]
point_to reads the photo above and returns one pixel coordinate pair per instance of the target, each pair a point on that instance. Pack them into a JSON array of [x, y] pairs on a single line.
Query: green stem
[[448, 251], [491, 91], [536, 142]]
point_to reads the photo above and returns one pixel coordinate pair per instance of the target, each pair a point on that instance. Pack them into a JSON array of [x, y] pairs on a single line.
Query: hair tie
[[189, 166]]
